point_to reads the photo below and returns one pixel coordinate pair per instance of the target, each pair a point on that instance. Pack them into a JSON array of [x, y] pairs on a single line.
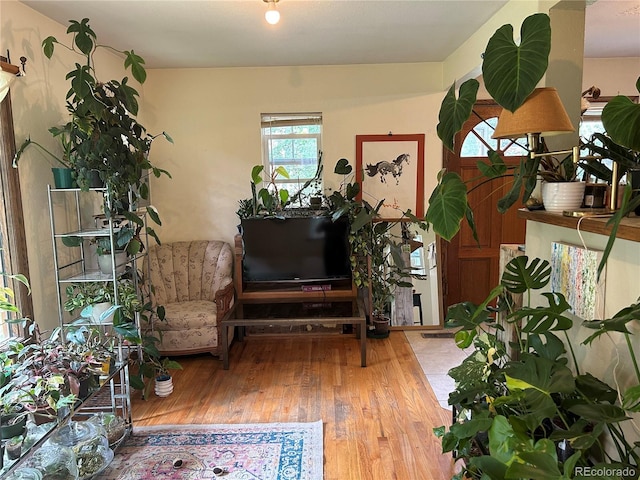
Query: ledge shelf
[[629, 228]]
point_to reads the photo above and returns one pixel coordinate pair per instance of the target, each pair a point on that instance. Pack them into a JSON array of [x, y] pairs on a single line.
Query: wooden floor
[[377, 420]]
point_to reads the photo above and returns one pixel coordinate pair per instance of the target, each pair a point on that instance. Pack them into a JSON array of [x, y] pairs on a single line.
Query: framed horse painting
[[391, 168]]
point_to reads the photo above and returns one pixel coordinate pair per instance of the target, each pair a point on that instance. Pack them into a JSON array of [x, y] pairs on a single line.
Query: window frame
[[270, 120], [14, 251]]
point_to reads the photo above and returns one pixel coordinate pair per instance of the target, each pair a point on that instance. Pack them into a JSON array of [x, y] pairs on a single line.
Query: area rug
[[265, 451]]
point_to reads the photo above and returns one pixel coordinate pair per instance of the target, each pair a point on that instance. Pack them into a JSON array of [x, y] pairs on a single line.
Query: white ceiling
[[233, 33]]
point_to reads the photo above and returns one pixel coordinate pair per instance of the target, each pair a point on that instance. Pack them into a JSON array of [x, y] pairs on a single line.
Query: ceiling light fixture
[[272, 15]]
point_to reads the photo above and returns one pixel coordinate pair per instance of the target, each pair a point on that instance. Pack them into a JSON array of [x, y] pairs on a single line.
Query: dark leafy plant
[[371, 239], [511, 72], [103, 131]]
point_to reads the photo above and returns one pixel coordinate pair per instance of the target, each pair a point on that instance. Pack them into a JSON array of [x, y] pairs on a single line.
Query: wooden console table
[[272, 312]]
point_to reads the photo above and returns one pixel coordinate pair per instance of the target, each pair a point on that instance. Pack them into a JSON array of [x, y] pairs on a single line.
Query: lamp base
[[590, 212]]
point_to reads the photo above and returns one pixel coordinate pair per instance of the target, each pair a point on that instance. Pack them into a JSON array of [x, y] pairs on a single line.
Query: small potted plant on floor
[[163, 379]]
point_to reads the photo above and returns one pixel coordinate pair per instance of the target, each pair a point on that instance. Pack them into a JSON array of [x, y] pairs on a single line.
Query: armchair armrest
[[224, 299]]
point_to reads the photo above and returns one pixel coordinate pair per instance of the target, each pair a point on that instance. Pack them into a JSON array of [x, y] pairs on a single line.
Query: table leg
[[363, 344], [225, 346]]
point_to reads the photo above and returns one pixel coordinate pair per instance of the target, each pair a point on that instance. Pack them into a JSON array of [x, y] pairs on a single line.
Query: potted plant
[[97, 294], [376, 259], [492, 389], [124, 242], [63, 173], [103, 130], [517, 416], [163, 379], [511, 72]]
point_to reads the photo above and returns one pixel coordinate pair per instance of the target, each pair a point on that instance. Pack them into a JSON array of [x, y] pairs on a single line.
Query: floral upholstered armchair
[[193, 282]]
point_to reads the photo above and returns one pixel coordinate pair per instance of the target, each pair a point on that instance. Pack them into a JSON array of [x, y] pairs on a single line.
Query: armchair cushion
[[193, 282]]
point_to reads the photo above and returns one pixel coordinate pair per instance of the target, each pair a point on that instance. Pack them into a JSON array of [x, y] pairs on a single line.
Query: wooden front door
[[469, 271]]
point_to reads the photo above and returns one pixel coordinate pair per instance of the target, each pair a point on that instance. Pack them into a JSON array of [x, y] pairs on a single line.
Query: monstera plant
[[521, 412], [511, 72]]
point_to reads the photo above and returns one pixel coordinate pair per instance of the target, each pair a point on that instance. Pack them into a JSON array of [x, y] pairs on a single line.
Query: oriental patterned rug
[[265, 451]]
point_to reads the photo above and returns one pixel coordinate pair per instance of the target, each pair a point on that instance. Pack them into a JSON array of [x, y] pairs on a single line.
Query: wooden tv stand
[[277, 303], [338, 290]]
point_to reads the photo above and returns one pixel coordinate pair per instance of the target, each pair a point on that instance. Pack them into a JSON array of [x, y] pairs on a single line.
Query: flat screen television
[[302, 249]]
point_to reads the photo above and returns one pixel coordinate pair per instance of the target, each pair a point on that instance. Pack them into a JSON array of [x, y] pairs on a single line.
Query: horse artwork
[[391, 169], [384, 168]]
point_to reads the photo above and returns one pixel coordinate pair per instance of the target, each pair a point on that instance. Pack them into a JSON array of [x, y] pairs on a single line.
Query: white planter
[[164, 386], [561, 196], [105, 265]]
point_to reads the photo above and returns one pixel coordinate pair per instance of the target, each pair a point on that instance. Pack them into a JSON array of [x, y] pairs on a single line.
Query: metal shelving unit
[[68, 217]]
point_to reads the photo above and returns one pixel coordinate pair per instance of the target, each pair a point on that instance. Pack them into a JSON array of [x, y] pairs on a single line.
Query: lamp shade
[[542, 112]]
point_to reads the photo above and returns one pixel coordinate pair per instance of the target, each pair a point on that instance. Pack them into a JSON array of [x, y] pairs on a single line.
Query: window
[[591, 122], [13, 258], [292, 141], [478, 142]]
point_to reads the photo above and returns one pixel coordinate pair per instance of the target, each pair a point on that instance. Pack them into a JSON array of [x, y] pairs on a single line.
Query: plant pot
[[63, 178], [380, 327], [560, 196], [8, 429], [106, 266], [14, 448], [164, 385], [94, 180]]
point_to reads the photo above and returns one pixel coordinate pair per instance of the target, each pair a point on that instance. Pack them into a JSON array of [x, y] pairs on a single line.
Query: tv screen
[[299, 248]]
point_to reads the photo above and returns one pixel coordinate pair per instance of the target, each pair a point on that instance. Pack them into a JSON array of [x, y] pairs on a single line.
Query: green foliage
[[621, 120], [513, 408], [371, 239], [103, 133], [454, 113], [511, 71]]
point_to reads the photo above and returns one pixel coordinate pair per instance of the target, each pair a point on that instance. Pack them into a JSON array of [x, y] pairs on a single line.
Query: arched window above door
[[478, 142]]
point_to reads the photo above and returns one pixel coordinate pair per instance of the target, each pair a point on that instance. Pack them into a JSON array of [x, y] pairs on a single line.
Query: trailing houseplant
[[103, 130], [376, 255]]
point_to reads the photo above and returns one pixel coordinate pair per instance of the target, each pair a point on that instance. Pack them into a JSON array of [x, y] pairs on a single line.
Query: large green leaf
[[136, 62], [541, 374], [600, 412], [447, 205], [618, 323], [467, 316], [84, 37], [543, 319], [595, 389], [621, 120], [502, 440], [541, 465], [496, 168], [454, 112], [518, 277], [511, 71]]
